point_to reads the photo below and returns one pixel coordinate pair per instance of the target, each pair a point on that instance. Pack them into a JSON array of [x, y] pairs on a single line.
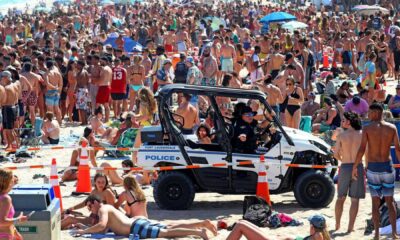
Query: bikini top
[[294, 94], [12, 211], [134, 200]]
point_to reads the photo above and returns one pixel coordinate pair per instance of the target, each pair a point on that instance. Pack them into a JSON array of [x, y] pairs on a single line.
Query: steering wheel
[[179, 123]]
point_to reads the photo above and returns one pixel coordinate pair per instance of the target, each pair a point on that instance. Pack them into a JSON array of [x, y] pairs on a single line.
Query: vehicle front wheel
[[314, 189], [173, 191]]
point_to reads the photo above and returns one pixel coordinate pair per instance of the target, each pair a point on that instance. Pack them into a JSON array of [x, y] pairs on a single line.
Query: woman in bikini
[[101, 189], [136, 80], [294, 99], [134, 197], [71, 75], [51, 130], [7, 220]]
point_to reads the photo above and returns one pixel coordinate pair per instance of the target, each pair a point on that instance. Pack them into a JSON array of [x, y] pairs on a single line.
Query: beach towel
[[102, 235]]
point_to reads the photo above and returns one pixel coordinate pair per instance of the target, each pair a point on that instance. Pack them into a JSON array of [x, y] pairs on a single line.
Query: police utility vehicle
[[166, 145]]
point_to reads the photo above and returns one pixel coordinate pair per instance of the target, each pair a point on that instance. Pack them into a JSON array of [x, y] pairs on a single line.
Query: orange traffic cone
[[262, 184], [84, 185], [54, 181], [325, 61]]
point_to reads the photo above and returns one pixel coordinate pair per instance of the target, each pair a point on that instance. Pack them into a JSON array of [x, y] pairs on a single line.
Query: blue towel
[[103, 235]]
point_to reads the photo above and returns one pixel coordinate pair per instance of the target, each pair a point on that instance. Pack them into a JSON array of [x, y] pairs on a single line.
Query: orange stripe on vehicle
[[245, 163], [219, 165], [318, 166], [166, 168], [292, 165], [193, 166]]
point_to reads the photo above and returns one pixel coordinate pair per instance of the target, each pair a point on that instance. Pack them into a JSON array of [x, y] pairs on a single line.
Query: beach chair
[[31, 136], [127, 140]]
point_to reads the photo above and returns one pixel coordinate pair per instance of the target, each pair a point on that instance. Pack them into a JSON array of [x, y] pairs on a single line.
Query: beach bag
[[256, 210]]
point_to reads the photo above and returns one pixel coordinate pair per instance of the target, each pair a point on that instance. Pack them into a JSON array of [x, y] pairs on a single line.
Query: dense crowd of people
[[59, 69]]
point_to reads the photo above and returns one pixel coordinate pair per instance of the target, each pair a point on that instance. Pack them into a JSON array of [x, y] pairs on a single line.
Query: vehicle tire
[[173, 191], [314, 189]]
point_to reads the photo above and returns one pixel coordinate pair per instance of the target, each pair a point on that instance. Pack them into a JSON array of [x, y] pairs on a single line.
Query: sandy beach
[[206, 205]]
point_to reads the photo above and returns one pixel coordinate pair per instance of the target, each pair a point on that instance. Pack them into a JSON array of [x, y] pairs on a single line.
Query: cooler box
[[395, 161], [305, 124], [45, 223]]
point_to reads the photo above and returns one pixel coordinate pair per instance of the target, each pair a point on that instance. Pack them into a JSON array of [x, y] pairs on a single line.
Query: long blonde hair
[[323, 231], [131, 184], [6, 178], [147, 101]]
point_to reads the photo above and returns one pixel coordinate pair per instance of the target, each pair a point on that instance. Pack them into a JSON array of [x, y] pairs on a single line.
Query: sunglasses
[[289, 84], [248, 115]]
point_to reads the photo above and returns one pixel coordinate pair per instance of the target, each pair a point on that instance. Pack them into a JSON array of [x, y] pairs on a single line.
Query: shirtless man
[[362, 44], [274, 94], [276, 61], [104, 93], [82, 93], [113, 219], [94, 73], [316, 47], [347, 145], [265, 45], [228, 56], [9, 109], [182, 40], [54, 84], [379, 136], [210, 68], [347, 54], [169, 41], [32, 96], [189, 113], [27, 88]]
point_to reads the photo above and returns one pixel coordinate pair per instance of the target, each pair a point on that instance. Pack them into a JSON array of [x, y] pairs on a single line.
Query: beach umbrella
[[370, 10], [292, 25], [62, 2], [277, 17], [129, 45], [105, 3], [215, 22]]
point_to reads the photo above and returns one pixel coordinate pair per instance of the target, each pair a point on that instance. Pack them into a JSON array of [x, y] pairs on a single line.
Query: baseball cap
[[6, 74], [182, 55], [247, 110], [288, 56], [317, 221], [190, 59]]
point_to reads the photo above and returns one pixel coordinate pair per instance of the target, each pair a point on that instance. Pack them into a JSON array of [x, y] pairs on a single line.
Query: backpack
[[256, 210], [181, 71]]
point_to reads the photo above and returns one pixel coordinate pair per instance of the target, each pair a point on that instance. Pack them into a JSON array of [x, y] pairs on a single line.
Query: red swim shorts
[[169, 48], [103, 95]]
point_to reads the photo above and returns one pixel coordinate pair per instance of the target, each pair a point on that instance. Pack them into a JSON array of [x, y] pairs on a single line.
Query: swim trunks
[[208, 81], [82, 98], [103, 94], [346, 55], [53, 141], [146, 229], [380, 179], [21, 111], [347, 185], [52, 97], [30, 98], [169, 48], [9, 116], [117, 96], [226, 64]]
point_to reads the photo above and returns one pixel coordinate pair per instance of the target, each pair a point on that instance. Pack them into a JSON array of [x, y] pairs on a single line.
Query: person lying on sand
[[112, 219], [243, 228]]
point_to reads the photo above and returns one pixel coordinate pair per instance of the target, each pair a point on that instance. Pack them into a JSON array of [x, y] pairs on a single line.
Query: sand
[[206, 205]]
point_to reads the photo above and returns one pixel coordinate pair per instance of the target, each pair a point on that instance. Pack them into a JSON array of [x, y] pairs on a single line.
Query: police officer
[[244, 137]]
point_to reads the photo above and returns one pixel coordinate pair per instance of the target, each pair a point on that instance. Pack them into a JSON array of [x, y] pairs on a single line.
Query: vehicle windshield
[[223, 121]]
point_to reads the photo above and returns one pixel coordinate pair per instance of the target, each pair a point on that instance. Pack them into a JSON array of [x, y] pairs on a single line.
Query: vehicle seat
[[208, 147]]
